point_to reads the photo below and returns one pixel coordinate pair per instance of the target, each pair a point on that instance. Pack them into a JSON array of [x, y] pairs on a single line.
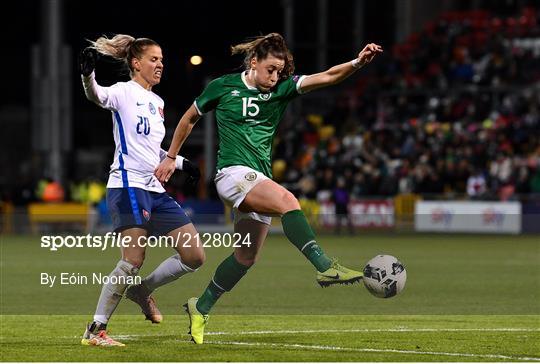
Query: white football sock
[[112, 293], [169, 270]]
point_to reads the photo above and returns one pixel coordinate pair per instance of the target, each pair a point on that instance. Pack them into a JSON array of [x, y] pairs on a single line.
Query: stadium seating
[[455, 101]]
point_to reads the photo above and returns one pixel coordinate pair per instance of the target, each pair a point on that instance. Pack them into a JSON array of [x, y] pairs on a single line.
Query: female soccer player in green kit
[[249, 106]]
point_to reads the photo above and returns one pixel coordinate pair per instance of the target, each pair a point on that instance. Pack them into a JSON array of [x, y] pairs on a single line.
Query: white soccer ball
[[384, 276]]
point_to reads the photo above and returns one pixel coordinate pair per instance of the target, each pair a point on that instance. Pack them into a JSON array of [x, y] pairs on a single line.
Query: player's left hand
[[368, 53], [194, 174]]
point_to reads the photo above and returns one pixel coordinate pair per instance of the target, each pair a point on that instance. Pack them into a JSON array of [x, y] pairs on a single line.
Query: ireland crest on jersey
[[265, 97]]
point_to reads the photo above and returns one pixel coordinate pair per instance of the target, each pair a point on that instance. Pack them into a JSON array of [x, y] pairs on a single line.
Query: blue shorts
[[158, 213]]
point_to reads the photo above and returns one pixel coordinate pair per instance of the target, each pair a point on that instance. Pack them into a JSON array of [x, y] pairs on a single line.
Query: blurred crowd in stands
[[454, 110]]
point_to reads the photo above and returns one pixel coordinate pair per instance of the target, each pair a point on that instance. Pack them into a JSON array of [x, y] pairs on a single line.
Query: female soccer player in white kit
[[136, 199]]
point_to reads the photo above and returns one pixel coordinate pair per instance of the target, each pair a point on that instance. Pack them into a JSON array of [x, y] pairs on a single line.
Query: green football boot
[[197, 321], [338, 274]]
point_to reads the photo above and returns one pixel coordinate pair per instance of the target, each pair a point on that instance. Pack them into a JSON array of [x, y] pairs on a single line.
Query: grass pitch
[[467, 298]]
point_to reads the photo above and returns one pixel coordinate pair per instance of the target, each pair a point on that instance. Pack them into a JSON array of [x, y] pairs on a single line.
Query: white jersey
[[138, 128]]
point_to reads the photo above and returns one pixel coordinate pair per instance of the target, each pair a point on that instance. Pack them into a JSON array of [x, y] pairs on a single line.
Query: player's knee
[[288, 202], [195, 260], [136, 261]]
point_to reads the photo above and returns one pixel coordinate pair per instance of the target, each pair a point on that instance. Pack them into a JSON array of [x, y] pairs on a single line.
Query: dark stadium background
[[455, 98], [208, 28]]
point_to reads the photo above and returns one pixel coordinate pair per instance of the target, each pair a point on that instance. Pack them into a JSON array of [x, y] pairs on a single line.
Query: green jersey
[[247, 118]]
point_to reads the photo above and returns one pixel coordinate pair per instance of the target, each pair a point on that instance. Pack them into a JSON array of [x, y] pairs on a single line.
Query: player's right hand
[[165, 170], [87, 61]]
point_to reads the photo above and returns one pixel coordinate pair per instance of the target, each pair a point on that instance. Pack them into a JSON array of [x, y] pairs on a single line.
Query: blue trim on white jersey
[[123, 147], [125, 181], [121, 132]]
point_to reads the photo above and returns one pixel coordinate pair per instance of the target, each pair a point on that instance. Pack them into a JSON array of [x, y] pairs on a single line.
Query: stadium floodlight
[[196, 60]]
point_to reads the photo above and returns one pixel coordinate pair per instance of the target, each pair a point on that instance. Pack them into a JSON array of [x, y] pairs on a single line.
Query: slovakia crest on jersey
[[146, 215], [151, 108], [160, 109]]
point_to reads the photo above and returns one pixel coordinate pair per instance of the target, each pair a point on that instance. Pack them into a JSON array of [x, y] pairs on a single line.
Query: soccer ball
[[384, 276]]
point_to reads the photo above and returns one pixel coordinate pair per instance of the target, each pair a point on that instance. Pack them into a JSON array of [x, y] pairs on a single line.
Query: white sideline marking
[[265, 332], [369, 350], [268, 332]]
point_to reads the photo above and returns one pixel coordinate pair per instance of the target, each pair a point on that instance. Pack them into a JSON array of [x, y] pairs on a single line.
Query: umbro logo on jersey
[[235, 93], [140, 103]]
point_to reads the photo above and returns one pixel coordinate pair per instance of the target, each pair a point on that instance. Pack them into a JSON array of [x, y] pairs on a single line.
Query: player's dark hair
[[122, 47], [260, 47]]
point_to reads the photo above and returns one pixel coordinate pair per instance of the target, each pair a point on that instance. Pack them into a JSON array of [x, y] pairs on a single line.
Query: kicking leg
[[268, 197], [271, 198]]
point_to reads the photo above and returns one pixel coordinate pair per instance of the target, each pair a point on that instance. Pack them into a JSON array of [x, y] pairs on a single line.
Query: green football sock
[[298, 231], [228, 273]]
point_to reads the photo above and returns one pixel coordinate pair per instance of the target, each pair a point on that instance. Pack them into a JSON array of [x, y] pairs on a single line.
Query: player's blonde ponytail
[[122, 47], [260, 47], [115, 47]]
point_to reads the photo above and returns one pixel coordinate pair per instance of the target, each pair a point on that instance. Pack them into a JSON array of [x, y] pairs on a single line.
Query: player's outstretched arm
[[340, 72], [87, 64], [167, 166], [106, 97]]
